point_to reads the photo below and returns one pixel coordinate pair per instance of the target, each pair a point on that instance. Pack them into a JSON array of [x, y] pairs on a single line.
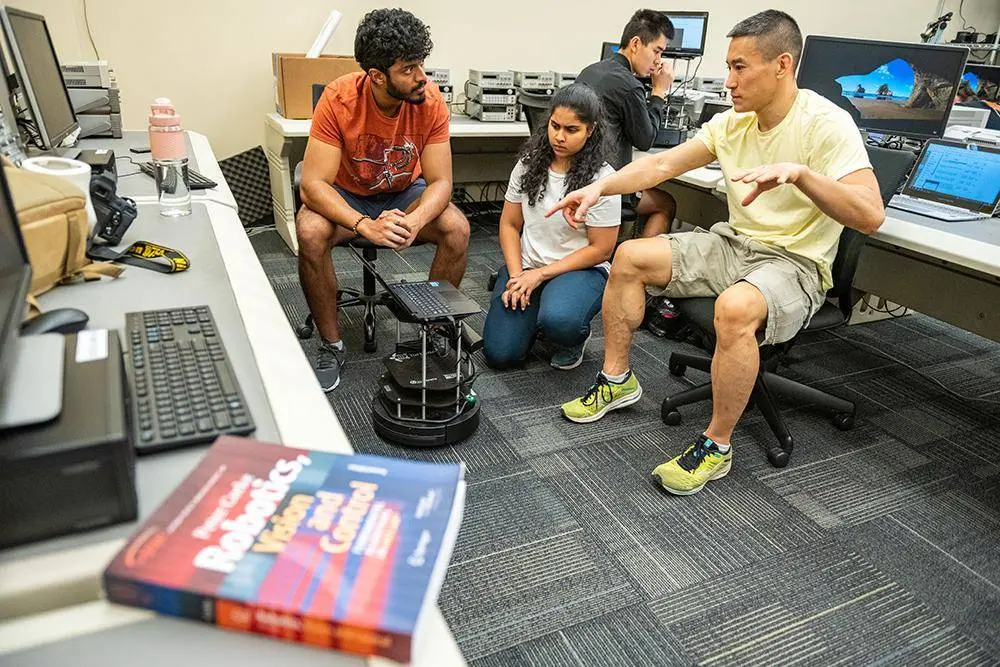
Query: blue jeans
[[560, 308]]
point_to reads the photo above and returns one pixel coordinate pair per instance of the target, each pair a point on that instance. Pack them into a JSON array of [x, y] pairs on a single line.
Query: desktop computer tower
[[77, 471]]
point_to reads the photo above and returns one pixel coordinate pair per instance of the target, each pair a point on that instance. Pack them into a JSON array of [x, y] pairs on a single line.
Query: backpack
[[53, 219]]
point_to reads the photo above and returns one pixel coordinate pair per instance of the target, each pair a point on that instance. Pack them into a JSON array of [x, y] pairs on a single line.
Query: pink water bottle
[[169, 151]]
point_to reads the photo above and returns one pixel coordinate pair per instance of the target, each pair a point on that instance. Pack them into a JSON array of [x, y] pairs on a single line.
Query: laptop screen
[[963, 175]]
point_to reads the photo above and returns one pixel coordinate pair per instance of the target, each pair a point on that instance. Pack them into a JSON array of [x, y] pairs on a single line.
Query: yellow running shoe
[[697, 466], [602, 397]]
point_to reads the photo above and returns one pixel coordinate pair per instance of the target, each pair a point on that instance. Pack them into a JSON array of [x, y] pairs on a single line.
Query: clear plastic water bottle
[[170, 161]]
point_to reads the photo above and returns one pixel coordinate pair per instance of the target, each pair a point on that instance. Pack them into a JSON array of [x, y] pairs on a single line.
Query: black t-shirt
[[634, 118]]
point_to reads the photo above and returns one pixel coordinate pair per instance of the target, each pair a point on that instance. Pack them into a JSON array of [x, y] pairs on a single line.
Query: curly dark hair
[[536, 154], [387, 35]]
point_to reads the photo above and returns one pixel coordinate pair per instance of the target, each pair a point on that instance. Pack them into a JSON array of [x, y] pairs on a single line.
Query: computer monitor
[[887, 87], [10, 138], [15, 278], [31, 367], [39, 75], [689, 34], [711, 109], [984, 81], [609, 49]]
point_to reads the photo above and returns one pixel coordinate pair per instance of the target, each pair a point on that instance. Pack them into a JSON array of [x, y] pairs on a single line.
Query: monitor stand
[[70, 152], [32, 391]]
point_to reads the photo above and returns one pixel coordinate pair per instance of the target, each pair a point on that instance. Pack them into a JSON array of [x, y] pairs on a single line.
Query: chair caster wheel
[[670, 416], [677, 369], [304, 332], [371, 347], [779, 454], [844, 421]]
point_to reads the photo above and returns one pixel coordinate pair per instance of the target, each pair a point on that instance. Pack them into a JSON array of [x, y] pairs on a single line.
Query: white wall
[[212, 57]]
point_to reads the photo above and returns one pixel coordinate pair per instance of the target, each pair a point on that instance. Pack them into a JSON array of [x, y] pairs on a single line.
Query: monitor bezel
[[10, 328], [969, 204], [49, 139], [812, 39], [671, 52]]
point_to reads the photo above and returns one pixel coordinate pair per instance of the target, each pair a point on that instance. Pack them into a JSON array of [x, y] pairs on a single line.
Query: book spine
[[247, 617]]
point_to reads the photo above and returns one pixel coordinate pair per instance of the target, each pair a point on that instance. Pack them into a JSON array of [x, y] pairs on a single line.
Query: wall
[[212, 57]]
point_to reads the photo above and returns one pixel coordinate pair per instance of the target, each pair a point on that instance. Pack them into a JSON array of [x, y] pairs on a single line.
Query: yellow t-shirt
[[816, 133]]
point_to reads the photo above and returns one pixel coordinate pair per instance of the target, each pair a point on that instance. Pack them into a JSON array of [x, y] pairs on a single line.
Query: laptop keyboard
[[426, 301], [932, 209], [195, 180]]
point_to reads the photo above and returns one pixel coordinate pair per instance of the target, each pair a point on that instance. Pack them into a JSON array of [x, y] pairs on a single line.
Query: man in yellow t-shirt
[[796, 170]]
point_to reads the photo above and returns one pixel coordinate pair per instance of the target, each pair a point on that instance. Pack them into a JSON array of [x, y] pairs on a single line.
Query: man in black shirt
[[633, 117]]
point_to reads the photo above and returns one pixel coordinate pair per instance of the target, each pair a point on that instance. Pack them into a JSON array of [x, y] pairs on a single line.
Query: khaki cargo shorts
[[705, 263]]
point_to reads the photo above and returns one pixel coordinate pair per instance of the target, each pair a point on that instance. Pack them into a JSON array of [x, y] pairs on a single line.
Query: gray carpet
[[876, 546]]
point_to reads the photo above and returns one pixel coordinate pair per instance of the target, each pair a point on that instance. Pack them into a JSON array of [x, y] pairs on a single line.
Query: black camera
[[114, 214]]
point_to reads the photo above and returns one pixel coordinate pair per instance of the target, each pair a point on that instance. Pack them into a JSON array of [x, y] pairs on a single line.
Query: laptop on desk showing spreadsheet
[[952, 181]]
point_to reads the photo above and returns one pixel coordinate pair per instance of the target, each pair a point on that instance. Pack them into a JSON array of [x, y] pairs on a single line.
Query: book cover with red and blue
[[339, 551]]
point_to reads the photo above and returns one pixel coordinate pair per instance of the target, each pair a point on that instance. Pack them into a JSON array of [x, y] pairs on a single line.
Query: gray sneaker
[[568, 358], [329, 359]]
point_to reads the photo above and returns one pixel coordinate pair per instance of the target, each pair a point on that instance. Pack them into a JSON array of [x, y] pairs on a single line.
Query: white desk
[[459, 127], [701, 178], [948, 270], [285, 143], [142, 189], [51, 602]]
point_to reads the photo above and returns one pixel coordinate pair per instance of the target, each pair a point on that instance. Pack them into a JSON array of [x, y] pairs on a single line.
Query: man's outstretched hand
[[767, 177], [575, 205]]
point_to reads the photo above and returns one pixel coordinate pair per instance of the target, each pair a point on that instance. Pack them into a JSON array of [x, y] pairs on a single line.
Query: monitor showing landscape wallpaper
[[887, 87]]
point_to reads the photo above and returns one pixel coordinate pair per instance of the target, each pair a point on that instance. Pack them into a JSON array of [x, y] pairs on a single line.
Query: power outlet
[[458, 193]]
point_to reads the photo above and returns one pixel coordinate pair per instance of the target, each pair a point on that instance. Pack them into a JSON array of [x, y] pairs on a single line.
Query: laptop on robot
[[952, 181], [426, 300]]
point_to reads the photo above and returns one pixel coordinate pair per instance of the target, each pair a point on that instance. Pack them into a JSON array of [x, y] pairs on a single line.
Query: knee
[[562, 328], [662, 202], [454, 229], [735, 316], [669, 205], [626, 264], [313, 232], [499, 354]]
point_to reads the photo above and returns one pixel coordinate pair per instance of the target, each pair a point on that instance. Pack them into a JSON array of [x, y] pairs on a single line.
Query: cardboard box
[[294, 76]]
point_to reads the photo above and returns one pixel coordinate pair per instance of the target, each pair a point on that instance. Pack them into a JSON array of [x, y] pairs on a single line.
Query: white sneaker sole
[[719, 474], [327, 390], [622, 402], [579, 360]]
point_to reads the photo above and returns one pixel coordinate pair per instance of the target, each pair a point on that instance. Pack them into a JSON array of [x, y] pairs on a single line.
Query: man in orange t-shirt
[[377, 165]]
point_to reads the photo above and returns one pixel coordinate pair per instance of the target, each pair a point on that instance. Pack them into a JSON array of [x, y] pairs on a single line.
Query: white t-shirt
[[547, 240]]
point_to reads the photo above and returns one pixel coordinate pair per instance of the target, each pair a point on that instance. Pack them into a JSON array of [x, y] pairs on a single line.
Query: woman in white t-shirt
[[553, 276]]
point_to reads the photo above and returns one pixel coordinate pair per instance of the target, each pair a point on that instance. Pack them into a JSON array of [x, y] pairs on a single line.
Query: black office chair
[[891, 168], [369, 296]]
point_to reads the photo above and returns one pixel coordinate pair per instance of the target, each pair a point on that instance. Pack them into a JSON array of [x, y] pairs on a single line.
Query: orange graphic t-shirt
[[379, 154]]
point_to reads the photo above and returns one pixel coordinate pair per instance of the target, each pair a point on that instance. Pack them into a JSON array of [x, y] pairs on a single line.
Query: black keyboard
[[183, 388], [195, 180], [424, 301]]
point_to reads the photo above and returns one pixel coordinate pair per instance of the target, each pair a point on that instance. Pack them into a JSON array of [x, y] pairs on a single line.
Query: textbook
[[338, 551]]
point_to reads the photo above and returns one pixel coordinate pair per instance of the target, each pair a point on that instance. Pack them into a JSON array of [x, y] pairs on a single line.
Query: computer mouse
[[62, 320]]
